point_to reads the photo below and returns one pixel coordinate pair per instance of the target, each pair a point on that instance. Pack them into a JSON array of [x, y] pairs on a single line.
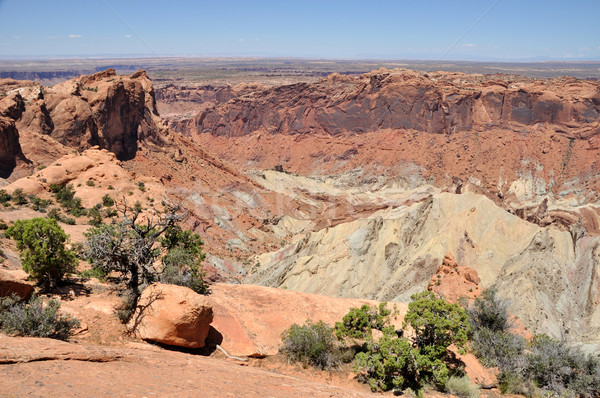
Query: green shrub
[[180, 267], [43, 252], [35, 319], [311, 344], [3, 225], [127, 307], [38, 204], [182, 261], [107, 201], [93, 273], [462, 387], [90, 183], [358, 323], [95, 217], [19, 198], [142, 186], [394, 362], [65, 195], [4, 196]]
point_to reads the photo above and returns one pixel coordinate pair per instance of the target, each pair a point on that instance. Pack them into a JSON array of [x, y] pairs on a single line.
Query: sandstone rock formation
[[104, 109], [11, 284], [249, 320], [11, 154], [453, 281], [93, 174], [440, 103], [143, 370], [172, 315], [394, 253]]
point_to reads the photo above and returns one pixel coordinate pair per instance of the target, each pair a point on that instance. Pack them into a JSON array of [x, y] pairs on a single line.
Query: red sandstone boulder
[[172, 315], [15, 282]]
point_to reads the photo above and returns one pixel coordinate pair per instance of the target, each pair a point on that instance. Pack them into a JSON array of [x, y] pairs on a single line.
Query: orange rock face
[[249, 320], [10, 284], [453, 281], [172, 315], [11, 154]]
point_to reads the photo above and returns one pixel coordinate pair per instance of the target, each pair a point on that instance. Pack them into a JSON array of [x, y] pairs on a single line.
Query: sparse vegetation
[[544, 366], [142, 186], [462, 387], [311, 344], [43, 251], [93, 273], [35, 318], [95, 217], [90, 183], [65, 195], [19, 198], [4, 197]]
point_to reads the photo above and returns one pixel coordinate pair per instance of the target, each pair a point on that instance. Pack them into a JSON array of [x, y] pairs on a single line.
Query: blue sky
[[511, 30]]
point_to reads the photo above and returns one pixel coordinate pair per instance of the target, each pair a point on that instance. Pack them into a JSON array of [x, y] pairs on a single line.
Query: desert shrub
[[38, 203], [95, 217], [127, 307], [42, 248], [545, 366], [65, 195], [3, 225], [107, 201], [394, 362], [19, 198], [511, 382], [462, 387], [437, 324], [90, 183], [359, 322], [388, 363], [134, 248], [35, 319], [93, 273], [489, 312], [4, 196], [311, 344], [499, 349], [142, 186], [553, 366], [181, 267], [491, 340]]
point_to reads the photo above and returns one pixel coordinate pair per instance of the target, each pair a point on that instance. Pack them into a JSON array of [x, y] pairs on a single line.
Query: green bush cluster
[[311, 344], [55, 214], [42, 248], [65, 195], [397, 362], [35, 318], [358, 323]]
